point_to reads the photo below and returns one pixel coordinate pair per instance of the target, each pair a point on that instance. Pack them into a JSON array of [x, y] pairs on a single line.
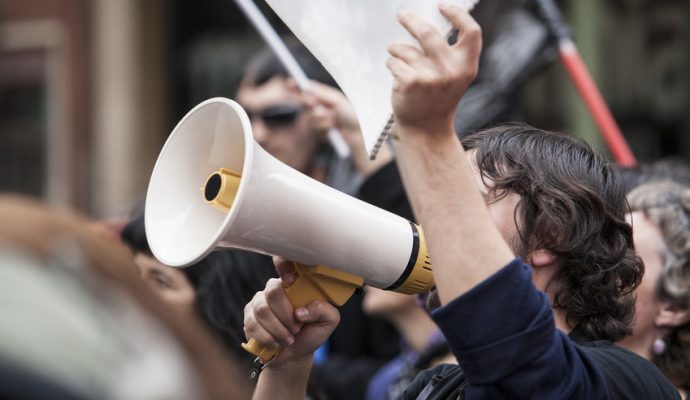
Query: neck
[[541, 277], [415, 326], [640, 344], [560, 319]]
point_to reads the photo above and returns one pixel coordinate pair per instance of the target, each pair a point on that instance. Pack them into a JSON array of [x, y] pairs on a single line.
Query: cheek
[[301, 133], [182, 297], [503, 214], [646, 292], [179, 297]]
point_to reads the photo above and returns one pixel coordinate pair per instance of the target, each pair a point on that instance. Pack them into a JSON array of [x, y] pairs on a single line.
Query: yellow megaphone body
[[214, 186]]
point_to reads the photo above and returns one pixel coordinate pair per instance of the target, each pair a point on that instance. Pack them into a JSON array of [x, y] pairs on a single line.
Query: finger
[[469, 31], [281, 308], [262, 325], [321, 119], [399, 68], [429, 39], [273, 313], [318, 312], [286, 270], [328, 95], [253, 330], [292, 85], [409, 54]]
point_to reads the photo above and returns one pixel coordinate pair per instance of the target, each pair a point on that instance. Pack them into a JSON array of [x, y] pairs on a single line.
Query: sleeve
[[503, 334]]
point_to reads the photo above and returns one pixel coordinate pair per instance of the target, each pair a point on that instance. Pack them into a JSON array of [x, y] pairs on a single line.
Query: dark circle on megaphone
[[212, 187]]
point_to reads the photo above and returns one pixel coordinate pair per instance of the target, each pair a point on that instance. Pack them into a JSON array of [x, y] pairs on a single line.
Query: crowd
[[558, 275]]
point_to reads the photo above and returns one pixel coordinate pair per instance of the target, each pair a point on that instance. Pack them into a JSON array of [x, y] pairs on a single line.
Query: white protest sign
[[350, 38]]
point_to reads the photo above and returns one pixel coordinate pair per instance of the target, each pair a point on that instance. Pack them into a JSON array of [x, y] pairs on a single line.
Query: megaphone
[[214, 186]]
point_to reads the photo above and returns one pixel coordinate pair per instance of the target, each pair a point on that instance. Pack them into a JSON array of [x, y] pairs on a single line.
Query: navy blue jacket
[[503, 334]]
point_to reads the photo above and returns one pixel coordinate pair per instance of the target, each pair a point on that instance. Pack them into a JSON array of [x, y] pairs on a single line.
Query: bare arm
[[465, 245]]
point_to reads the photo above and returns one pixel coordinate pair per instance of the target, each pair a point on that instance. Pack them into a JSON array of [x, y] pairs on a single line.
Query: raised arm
[[436, 171]]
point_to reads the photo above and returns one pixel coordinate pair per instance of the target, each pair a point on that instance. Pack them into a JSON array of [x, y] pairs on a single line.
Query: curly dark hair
[[572, 204]]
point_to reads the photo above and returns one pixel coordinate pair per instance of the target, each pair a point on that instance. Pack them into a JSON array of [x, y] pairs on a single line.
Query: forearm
[[287, 381], [464, 244]]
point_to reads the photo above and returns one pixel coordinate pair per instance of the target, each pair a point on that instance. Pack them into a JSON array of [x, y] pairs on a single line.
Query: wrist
[[428, 131], [420, 142], [294, 367], [287, 380], [293, 373]]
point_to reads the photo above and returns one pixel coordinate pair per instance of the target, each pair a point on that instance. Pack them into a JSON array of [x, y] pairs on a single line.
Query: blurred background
[[90, 89]]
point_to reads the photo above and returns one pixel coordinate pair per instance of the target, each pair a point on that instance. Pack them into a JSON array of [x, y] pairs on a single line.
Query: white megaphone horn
[[214, 186]]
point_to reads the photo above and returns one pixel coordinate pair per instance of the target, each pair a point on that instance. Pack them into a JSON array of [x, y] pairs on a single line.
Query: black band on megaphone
[[411, 263]]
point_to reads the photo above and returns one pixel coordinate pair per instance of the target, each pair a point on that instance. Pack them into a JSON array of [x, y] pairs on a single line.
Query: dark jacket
[[503, 334]]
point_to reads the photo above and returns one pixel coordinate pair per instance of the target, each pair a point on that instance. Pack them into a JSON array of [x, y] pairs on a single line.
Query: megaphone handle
[[312, 283]]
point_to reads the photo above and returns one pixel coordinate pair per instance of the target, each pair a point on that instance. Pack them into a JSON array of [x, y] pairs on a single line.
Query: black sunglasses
[[277, 116]]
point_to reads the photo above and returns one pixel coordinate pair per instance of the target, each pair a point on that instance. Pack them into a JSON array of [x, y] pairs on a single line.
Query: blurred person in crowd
[[660, 216], [423, 345], [672, 168], [76, 322], [292, 125], [533, 259], [214, 289]]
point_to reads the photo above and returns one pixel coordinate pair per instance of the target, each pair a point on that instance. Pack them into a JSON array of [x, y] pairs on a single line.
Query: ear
[[671, 316], [541, 258], [543, 265]]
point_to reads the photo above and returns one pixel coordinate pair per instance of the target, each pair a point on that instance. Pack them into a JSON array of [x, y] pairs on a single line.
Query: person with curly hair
[[532, 256], [661, 227]]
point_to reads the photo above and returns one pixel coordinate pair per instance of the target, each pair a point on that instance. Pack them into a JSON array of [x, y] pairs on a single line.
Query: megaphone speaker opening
[[221, 188], [212, 188]]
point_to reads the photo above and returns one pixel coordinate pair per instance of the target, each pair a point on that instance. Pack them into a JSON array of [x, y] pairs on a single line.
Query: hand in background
[[329, 108]]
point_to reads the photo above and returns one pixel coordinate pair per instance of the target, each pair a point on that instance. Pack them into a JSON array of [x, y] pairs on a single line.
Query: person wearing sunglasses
[[292, 125]]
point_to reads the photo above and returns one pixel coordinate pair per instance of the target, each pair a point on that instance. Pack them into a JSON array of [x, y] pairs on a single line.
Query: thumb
[[318, 311]]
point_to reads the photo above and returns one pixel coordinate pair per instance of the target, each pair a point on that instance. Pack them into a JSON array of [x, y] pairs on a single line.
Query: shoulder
[[626, 373]]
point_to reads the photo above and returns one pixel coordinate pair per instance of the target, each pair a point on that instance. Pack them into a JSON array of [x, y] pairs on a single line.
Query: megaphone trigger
[[313, 282]]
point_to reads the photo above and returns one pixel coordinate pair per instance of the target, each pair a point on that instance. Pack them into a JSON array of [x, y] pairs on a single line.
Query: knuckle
[[274, 294], [426, 33], [427, 80], [473, 31], [249, 325], [471, 72], [262, 310], [446, 78], [273, 283]]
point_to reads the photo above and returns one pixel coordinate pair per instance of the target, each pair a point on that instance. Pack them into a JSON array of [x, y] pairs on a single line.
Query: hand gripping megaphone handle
[[312, 283]]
